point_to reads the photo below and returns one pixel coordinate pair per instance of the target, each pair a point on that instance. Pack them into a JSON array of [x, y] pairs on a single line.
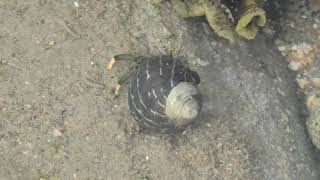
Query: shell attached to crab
[[163, 94], [250, 17]]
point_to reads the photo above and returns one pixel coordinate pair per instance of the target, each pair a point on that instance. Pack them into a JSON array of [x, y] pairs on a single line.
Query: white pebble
[[282, 48], [56, 133], [315, 26], [76, 4], [295, 66], [202, 62], [51, 43], [28, 106], [25, 152]]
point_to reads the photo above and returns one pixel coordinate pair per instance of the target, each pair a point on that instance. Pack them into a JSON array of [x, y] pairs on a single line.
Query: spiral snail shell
[[163, 95]]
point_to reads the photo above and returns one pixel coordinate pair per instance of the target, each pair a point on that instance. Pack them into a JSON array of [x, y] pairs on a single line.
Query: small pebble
[[214, 44], [315, 26], [202, 62], [56, 133], [294, 65], [51, 43], [219, 145], [282, 48], [25, 152], [292, 25], [28, 106], [76, 4]]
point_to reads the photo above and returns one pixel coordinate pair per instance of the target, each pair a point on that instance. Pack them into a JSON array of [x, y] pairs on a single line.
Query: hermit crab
[[250, 16], [163, 94]]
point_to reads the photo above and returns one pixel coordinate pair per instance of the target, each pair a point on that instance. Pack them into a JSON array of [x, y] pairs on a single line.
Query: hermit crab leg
[[123, 79], [111, 63], [251, 17], [126, 76], [121, 57]]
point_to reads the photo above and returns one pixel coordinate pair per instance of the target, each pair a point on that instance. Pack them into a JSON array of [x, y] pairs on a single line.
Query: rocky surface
[[60, 120], [299, 44]]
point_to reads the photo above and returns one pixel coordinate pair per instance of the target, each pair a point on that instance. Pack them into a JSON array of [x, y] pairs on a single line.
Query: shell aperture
[[183, 103]]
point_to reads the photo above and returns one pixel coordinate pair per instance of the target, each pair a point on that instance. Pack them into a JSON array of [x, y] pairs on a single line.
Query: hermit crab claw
[[250, 20]]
